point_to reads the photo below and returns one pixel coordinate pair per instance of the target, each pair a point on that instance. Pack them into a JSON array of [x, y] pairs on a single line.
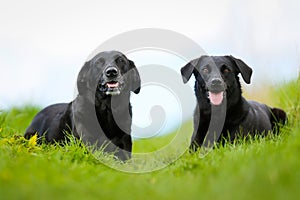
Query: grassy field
[[258, 168]]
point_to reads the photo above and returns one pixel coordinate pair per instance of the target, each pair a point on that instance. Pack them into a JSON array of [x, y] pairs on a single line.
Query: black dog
[[216, 78], [101, 113]]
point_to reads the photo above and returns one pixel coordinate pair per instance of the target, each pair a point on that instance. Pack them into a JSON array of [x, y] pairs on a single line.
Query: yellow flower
[[32, 141], [0, 129]]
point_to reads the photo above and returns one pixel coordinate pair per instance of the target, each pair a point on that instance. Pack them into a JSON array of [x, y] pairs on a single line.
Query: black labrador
[[217, 84], [101, 113]]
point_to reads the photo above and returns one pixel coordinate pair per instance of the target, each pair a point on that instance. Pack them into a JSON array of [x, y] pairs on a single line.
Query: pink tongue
[[216, 98], [113, 85]]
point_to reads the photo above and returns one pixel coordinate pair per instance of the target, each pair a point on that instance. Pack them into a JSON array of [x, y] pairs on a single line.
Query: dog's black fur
[[216, 76], [101, 113]]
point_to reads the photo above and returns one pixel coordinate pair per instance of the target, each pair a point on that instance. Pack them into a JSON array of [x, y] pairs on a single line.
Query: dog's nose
[[216, 81], [111, 71]]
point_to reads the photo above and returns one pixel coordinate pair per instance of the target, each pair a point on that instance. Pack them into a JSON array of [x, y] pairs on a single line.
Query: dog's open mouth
[[113, 88], [216, 98]]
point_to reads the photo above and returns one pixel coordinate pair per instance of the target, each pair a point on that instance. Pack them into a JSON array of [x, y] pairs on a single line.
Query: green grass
[[258, 168]]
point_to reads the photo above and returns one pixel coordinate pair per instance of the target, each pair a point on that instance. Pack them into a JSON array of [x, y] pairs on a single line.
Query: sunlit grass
[[256, 168]]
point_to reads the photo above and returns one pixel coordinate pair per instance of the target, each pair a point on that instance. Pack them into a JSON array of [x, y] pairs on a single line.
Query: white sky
[[43, 44]]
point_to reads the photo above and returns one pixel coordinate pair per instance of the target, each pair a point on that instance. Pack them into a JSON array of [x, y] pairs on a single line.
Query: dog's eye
[[226, 70], [205, 70], [100, 61], [120, 60]]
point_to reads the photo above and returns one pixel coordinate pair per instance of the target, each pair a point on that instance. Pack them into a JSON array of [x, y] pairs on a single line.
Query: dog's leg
[[278, 116]]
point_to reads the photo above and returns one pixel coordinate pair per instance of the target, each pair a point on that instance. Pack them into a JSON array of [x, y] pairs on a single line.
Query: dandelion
[[32, 141]]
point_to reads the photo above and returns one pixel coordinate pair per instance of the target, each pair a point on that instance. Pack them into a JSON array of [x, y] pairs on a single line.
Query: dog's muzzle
[[216, 88], [111, 83], [113, 88]]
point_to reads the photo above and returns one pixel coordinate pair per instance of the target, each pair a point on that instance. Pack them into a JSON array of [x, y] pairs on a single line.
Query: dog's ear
[[243, 68], [187, 70], [135, 78], [82, 78]]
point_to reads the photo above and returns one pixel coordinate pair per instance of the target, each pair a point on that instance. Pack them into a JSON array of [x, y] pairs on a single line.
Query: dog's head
[[109, 73], [216, 75]]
